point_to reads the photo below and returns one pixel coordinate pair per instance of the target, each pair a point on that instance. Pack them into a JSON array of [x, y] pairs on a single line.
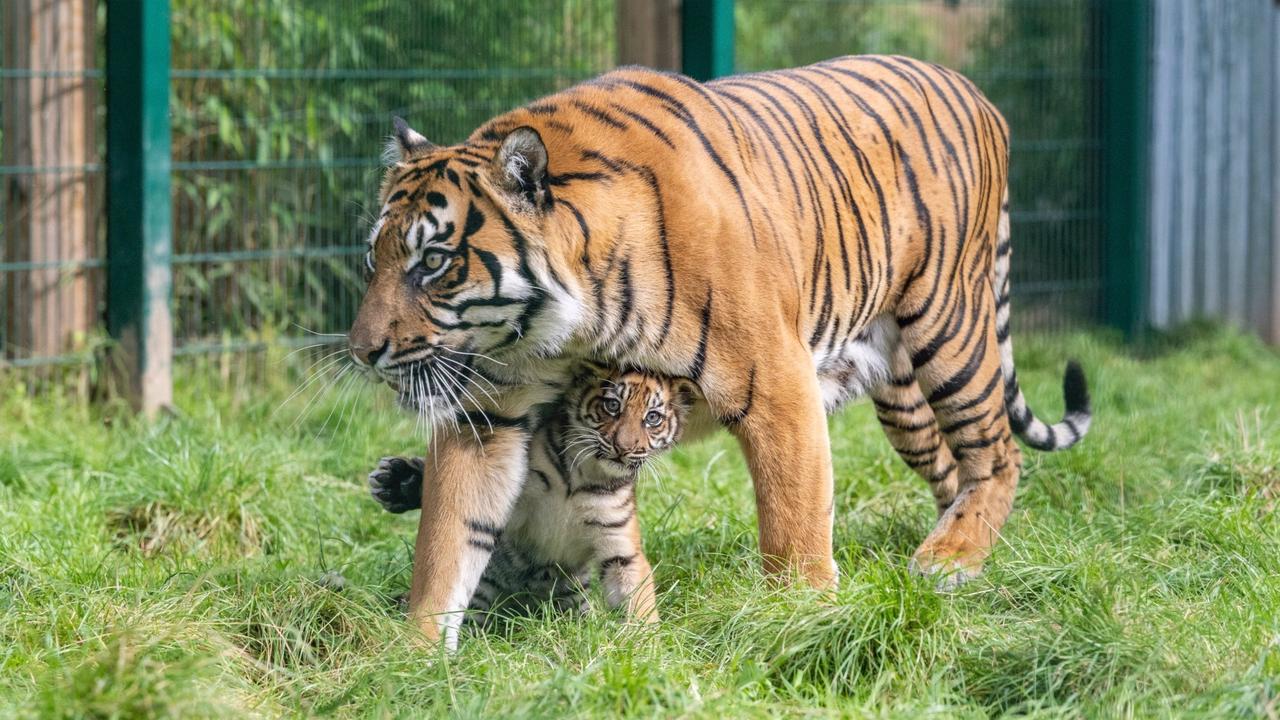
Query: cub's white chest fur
[[559, 518], [546, 523]]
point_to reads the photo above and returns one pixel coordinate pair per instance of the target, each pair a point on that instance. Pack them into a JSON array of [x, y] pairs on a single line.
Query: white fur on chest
[[553, 524], [549, 526]]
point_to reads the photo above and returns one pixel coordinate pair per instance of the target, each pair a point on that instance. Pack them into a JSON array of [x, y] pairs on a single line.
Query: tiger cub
[[576, 513]]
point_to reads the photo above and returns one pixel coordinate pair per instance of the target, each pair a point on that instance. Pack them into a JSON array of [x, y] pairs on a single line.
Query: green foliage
[[184, 568], [279, 111], [1040, 66], [779, 33]]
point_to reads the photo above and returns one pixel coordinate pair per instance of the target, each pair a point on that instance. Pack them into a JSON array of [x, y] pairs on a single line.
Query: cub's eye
[[434, 260], [612, 406], [653, 418]]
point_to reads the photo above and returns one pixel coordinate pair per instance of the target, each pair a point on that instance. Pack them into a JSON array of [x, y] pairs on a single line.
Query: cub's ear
[[590, 370], [405, 143], [520, 166], [687, 391]]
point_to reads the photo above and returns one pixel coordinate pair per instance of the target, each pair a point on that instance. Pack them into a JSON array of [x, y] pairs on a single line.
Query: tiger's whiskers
[[482, 356]]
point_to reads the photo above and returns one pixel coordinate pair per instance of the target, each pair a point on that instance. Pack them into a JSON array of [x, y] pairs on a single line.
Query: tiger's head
[[456, 266], [626, 417]]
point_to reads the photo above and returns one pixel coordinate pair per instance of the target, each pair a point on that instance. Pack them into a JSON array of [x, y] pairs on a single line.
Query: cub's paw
[[397, 484]]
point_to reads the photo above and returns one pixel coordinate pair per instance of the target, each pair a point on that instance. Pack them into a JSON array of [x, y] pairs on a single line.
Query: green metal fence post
[[1126, 121], [139, 225], [706, 38]]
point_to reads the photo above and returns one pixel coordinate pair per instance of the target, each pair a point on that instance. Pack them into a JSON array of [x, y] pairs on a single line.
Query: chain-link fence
[[279, 112]]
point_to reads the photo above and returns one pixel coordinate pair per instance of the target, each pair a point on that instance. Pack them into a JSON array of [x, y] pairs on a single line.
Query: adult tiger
[[787, 239]]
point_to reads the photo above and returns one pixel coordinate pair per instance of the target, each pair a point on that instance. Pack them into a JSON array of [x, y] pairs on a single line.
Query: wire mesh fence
[[279, 111]]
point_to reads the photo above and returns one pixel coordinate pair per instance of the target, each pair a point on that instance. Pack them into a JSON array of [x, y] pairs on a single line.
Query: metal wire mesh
[[1036, 59]]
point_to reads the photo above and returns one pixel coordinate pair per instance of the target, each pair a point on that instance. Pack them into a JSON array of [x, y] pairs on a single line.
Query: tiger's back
[[823, 184]]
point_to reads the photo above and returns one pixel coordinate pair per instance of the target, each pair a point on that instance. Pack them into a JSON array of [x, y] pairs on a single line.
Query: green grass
[[185, 568]]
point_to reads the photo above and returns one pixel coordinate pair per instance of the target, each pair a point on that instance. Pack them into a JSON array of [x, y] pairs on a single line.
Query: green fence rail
[[278, 112], [139, 209]]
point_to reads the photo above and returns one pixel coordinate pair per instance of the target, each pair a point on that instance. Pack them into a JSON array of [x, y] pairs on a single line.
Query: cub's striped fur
[[576, 515], [787, 240]]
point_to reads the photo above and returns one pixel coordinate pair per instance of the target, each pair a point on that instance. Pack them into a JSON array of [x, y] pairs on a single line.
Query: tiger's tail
[[1032, 430]]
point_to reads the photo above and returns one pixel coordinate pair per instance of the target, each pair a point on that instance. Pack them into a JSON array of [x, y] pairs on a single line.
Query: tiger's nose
[[369, 354]]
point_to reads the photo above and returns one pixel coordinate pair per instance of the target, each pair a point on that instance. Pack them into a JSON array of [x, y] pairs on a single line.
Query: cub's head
[[627, 417], [455, 265]]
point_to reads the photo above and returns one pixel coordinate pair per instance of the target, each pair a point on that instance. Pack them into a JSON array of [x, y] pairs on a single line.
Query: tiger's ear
[[520, 166], [405, 143]]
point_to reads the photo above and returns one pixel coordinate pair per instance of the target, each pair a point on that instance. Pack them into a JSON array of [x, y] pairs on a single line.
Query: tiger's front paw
[[397, 484]]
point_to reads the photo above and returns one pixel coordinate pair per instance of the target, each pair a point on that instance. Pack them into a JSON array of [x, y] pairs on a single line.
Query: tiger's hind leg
[[957, 365], [912, 429]]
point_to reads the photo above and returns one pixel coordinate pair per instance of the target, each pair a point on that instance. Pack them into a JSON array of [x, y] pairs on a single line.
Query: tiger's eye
[[433, 261], [612, 406], [653, 418]]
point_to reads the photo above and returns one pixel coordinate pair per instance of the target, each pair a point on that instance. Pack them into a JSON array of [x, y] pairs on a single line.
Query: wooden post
[[139, 221], [50, 209], [649, 33]]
